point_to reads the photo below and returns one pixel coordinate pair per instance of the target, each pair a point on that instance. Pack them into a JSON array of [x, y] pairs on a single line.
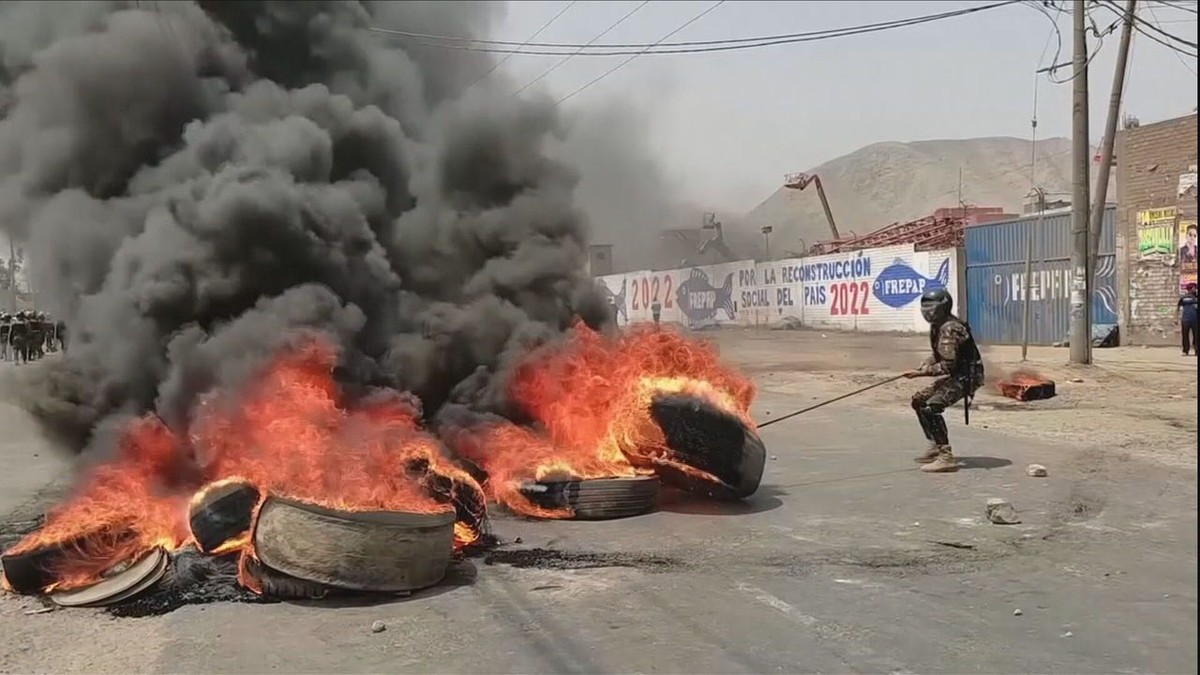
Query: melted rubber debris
[[193, 579]]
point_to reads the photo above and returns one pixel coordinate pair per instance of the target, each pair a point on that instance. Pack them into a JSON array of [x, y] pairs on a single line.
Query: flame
[[287, 434], [590, 398], [1025, 377]]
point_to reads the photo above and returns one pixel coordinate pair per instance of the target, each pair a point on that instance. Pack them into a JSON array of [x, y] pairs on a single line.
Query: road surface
[[847, 560]]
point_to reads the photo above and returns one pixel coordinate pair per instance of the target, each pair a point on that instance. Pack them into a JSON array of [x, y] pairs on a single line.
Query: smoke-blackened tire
[[712, 440], [597, 499], [276, 584], [33, 570], [361, 551], [222, 512]]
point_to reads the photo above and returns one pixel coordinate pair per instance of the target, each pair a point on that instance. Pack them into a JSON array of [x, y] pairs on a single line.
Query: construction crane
[[799, 181]]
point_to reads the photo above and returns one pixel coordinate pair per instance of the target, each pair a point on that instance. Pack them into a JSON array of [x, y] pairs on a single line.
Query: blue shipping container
[[995, 254]]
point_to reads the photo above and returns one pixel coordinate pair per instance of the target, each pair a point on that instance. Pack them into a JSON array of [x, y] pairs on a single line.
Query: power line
[[1057, 32], [536, 33], [568, 57], [1178, 56], [1179, 6], [622, 64], [1138, 27], [711, 45]]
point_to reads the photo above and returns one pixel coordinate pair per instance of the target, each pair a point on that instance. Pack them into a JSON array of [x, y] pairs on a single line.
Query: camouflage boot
[[929, 455], [943, 463]]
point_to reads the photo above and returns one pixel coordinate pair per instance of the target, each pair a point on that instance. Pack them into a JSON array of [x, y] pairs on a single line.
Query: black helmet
[[936, 305]]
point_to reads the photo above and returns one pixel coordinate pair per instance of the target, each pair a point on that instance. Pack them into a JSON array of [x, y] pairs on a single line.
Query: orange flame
[[287, 434], [590, 395]]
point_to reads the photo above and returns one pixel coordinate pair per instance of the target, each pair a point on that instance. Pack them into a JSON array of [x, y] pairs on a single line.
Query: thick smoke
[[198, 182]]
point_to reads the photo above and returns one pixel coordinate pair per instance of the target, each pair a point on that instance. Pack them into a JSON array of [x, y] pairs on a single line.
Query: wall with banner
[[871, 290]]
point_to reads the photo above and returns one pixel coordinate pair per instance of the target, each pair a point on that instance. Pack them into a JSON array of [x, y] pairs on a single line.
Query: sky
[[727, 126]]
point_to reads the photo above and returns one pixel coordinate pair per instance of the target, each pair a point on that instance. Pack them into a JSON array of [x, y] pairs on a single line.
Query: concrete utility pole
[[1081, 338], [1106, 149]]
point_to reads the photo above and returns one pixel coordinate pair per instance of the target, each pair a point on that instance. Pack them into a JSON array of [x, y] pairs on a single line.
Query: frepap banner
[[872, 290]]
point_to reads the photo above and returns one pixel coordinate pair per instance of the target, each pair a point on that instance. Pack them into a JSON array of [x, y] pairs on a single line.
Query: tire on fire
[[222, 512], [597, 499], [707, 438], [33, 570], [359, 551]]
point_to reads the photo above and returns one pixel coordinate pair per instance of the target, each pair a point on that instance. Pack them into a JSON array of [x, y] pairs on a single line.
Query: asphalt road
[[847, 560]]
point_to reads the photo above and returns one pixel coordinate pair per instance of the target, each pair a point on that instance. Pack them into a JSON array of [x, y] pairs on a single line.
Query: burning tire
[[222, 512], [597, 499], [361, 551], [711, 440], [276, 584], [33, 570], [120, 585]]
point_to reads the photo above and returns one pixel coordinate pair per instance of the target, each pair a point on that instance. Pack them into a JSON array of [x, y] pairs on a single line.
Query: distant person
[[1187, 252], [1185, 312]]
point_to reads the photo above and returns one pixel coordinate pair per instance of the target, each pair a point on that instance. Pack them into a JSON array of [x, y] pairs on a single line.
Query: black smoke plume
[[198, 183]]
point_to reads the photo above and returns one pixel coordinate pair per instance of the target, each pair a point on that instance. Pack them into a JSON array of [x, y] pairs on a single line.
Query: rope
[[832, 400]]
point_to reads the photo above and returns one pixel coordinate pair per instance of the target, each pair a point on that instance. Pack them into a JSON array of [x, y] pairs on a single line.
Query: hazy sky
[[728, 125]]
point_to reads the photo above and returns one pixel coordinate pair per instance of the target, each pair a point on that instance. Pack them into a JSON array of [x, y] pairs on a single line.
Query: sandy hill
[[889, 182]]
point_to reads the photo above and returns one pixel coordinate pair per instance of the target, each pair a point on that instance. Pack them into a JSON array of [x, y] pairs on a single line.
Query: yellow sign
[[1157, 233]]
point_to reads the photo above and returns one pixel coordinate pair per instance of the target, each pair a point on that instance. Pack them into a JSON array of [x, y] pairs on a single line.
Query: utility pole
[[766, 232], [1106, 151], [1081, 338]]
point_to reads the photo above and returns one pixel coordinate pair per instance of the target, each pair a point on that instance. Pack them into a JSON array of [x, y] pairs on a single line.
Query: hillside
[[889, 182]]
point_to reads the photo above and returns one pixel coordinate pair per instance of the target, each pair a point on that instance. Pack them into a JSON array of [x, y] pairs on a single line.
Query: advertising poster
[[1157, 233], [1187, 253]]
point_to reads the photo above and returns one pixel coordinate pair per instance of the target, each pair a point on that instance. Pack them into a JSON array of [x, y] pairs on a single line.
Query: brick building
[[1155, 207]]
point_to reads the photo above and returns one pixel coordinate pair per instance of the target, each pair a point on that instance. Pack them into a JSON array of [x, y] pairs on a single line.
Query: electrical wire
[[626, 62], [1178, 56], [730, 44], [536, 33], [1140, 22], [1179, 6], [1057, 32], [570, 56]]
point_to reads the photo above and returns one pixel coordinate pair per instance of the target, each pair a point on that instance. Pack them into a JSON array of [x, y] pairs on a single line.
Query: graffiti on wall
[[899, 284], [700, 301], [842, 285], [1048, 285], [1156, 233]]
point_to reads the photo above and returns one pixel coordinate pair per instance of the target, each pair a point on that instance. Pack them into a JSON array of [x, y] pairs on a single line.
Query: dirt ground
[[1131, 402]]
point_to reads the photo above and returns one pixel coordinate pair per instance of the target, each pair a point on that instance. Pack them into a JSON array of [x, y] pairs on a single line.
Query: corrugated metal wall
[[995, 254]]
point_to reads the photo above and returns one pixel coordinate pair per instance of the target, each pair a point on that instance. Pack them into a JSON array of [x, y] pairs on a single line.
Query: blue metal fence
[[995, 255]]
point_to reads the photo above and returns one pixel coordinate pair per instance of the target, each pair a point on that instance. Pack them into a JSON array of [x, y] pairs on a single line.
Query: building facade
[[1156, 226]]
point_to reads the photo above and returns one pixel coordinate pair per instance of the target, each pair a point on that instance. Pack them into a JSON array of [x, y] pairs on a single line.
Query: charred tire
[[712, 440], [597, 499], [360, 551], [222, 513], [32, 571], [276, 584]]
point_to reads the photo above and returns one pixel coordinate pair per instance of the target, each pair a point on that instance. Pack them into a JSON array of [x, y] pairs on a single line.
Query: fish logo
[[617, 300], [699, 300], [899, 284]]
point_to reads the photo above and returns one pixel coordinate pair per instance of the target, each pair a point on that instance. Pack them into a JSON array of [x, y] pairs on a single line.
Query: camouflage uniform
[[956, 360]]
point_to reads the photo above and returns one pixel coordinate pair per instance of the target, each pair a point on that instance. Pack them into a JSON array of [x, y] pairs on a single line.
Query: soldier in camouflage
[[957, 365]]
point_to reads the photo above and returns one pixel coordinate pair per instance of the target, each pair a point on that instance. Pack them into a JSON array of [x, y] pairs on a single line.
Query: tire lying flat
[[222, 512], [120, 586], [712, 440], [597, 499], [360, 551]]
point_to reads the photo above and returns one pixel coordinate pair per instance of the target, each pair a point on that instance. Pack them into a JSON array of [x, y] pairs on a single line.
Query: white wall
[[874, 290]]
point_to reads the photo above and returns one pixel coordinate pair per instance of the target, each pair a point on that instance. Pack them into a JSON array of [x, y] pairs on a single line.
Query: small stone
[[1017, 612], [1068, 634], [774, 457], [1077, 380], [1001, 512], [1035, 471], [378, 627], [518, 540]]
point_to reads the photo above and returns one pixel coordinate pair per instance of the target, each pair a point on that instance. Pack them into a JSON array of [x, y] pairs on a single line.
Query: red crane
[[799, 181]]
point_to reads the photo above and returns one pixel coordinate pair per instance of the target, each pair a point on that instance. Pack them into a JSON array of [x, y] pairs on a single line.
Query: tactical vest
[[968, 364]]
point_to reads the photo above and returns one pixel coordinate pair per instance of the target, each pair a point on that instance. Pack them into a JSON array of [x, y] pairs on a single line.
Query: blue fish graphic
[[617, 300], [699, 300], [899, 284]]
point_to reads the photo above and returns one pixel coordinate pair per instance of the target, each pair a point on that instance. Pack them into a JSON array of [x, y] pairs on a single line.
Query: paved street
[[847, 560]]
